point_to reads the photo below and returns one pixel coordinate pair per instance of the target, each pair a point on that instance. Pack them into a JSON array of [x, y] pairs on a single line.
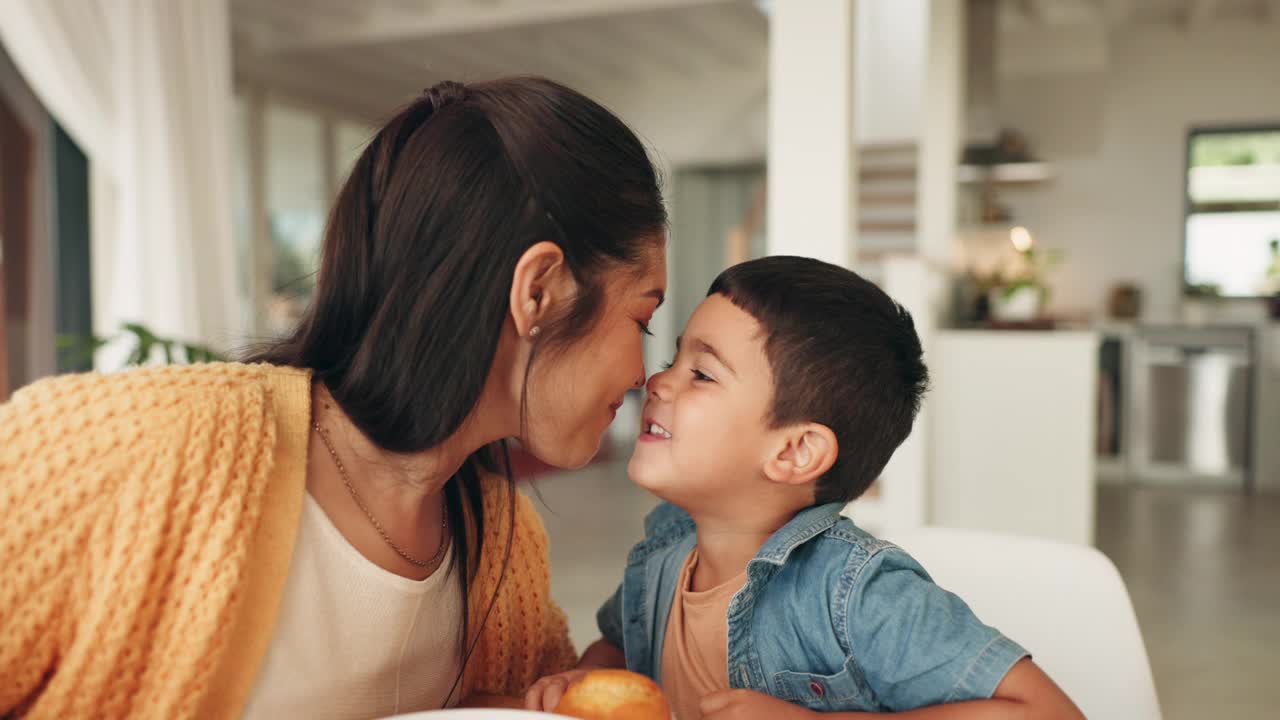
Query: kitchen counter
[[1012, 420]]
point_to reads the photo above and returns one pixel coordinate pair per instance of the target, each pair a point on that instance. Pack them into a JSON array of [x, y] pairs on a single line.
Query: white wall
[[1116, 138]]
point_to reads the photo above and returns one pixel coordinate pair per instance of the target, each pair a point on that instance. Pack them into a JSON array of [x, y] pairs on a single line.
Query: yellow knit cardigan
[[147, 520]]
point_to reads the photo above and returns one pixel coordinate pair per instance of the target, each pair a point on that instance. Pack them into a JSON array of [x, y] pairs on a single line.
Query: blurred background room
[[1079, 201]]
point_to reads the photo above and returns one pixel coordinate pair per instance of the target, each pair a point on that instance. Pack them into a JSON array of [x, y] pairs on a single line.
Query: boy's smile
[[653, 432]]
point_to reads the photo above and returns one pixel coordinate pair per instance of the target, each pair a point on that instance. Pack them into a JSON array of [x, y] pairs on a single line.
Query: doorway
[[15, 241]]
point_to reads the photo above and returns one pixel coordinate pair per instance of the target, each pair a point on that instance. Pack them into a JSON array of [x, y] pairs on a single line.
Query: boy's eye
[[667, 365], [644, 328]]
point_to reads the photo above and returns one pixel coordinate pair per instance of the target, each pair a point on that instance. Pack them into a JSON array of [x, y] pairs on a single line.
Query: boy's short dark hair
[[843, 354]]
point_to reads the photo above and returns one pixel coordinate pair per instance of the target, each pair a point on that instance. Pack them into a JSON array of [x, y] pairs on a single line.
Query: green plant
[[1010, 289], [1204, 290], [147, 345], [1031, 271]]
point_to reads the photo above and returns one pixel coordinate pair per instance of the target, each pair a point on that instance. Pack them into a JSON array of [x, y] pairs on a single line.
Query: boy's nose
[[657, 386]]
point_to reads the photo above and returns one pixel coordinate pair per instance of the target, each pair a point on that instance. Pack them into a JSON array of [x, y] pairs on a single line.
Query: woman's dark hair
[[421, 248]]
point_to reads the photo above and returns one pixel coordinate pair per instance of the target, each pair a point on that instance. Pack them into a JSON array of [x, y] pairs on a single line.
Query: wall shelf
[[1026, 172]]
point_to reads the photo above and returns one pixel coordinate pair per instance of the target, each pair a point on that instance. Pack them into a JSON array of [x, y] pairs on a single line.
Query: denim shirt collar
[[670, 524], [806, 525]]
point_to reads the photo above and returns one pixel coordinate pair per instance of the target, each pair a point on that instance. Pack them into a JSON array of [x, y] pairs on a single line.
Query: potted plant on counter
[[1019, 292]]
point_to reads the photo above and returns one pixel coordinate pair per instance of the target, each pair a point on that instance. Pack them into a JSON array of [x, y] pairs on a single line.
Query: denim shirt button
[[816, 688]]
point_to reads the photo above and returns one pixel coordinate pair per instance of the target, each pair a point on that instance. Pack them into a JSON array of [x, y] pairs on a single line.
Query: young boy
[[751, 596]]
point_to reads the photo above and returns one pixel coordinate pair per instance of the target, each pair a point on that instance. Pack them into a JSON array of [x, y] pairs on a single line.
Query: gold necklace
[[444, 511]]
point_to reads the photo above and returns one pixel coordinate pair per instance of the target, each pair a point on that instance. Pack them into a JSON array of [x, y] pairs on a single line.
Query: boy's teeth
[[656, 429]]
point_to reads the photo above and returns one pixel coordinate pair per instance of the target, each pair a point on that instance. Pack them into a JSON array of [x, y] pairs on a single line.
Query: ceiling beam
[[660, 54], [311, 90], [445, 61], [467, 17], [695, 42]]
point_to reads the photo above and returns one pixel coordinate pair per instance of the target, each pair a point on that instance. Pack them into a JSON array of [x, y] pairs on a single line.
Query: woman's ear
[[802, 454], [536, 287]]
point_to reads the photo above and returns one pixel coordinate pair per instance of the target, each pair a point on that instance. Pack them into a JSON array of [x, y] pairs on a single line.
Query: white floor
[[1203, 570]]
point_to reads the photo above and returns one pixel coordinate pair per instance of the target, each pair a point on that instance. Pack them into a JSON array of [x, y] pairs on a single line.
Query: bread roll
[[614, 695]]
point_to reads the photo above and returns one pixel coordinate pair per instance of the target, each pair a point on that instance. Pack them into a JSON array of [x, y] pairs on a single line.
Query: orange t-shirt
[[695, 653]]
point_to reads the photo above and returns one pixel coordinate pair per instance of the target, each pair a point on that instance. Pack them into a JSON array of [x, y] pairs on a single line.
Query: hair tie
[[444, 93]]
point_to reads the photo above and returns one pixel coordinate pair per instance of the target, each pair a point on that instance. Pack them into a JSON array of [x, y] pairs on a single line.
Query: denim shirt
[[830, 618]]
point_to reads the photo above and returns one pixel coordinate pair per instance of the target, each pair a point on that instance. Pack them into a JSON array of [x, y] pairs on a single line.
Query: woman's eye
[[666, 365], [644, 328], [699, 376]]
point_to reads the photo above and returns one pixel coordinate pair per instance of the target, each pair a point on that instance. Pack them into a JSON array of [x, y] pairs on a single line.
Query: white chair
[[1065, 603]]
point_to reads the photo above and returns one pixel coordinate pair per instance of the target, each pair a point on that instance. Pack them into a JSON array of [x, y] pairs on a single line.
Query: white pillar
[[942, 130], [940, 146], [812, 204], [920, 282]]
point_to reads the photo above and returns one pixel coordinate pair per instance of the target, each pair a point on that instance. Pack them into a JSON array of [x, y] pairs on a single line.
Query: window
[[1232, 245], [296, 201], [289, 163]]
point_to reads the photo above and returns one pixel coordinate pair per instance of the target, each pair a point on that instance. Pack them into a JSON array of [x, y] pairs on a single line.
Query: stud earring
[[533, 331]]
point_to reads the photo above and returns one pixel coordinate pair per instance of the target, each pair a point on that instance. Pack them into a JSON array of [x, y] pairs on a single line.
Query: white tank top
[[354, 640]]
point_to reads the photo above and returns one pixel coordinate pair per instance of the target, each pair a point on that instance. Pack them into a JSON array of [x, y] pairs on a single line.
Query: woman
[[324, 533]]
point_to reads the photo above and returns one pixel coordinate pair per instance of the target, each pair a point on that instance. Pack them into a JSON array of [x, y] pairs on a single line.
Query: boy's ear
[[803, 453]]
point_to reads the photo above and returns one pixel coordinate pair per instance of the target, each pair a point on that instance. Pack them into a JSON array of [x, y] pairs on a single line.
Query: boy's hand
[[545, 694], [750, 705]]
